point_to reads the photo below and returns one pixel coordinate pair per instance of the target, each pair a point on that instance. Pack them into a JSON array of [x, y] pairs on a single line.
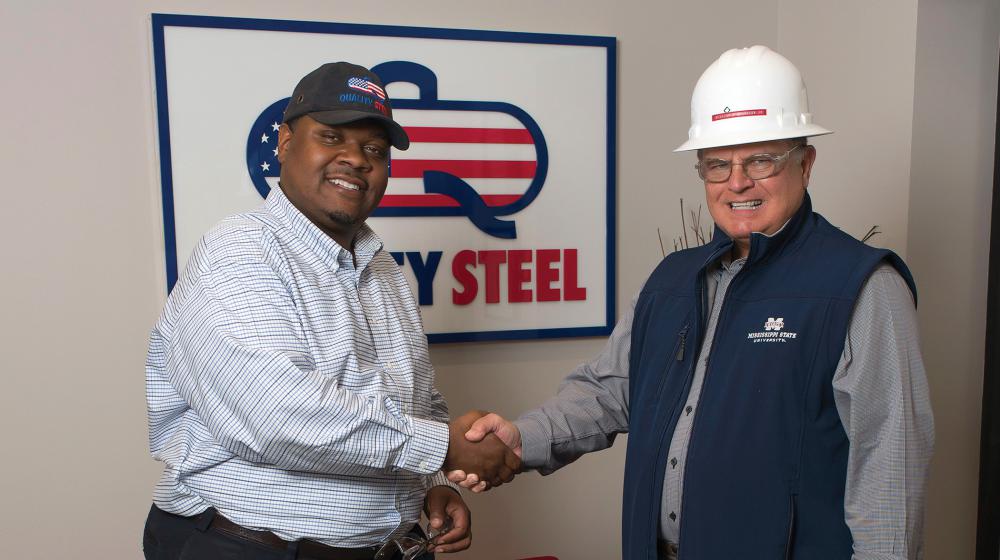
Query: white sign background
[[218, 80]]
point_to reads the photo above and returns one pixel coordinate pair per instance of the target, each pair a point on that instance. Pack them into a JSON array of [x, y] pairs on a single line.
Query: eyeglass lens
[[756, 167]]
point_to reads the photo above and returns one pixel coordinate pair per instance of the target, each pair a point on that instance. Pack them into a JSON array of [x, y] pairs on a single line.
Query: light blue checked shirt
[[289, 385]]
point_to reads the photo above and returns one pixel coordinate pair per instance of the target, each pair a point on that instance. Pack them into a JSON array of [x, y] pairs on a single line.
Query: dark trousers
[[172, 537]]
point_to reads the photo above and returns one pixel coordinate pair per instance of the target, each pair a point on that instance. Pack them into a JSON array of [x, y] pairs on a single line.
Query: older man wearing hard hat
[[770, 381]]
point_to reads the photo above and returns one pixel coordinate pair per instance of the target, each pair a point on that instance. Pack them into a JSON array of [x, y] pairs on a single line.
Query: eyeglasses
[[410, 547], [756, 167]]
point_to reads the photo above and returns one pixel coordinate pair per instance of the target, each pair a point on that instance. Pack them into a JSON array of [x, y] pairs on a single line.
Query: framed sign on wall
[[501, 213]]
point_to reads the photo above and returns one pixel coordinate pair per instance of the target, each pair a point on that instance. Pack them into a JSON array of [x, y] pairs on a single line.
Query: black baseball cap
[[339, 93]]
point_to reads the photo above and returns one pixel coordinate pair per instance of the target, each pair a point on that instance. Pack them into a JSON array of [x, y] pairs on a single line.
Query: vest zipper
[[699, 319], [680, 348], [708, 364], [664, 449], [791, 526]]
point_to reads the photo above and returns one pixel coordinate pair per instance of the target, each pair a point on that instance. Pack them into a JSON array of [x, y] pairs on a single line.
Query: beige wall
[[951, 187], [859, 71], [82, 264]]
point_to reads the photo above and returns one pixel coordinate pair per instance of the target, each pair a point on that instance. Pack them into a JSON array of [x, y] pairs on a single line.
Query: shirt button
[[672, 516], [673, 463], [688, 409], [425, 465], [390, 365]]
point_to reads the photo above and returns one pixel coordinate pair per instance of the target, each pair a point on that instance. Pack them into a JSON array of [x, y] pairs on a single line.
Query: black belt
[[308, 548]]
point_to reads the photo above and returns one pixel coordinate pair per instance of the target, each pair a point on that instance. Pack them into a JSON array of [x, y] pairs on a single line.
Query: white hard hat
[[749, 95]]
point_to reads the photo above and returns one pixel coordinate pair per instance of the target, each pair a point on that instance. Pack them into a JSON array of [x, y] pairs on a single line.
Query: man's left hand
[[441, 504]]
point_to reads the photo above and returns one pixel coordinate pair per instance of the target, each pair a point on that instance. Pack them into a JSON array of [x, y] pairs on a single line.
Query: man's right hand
[[492, 425], [487, 458]]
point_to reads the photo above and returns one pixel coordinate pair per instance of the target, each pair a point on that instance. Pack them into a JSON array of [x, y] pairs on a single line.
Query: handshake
[[484, 450]]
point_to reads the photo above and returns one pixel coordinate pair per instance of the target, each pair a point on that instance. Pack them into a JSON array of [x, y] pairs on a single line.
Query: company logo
[[483, 160], [773, 332], [773, 324], [730, 114], [365, 85]]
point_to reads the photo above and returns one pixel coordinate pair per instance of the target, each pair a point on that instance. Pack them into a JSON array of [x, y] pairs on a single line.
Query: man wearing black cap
[[290, 394]]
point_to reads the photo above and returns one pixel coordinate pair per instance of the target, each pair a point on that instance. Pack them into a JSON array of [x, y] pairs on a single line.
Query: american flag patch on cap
[[366, 85]]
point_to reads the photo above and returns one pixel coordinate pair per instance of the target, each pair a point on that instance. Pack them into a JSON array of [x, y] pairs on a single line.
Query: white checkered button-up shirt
[[289, 384]]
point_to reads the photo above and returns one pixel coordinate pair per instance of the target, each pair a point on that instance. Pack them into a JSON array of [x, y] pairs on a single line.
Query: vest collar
[[763, 246]]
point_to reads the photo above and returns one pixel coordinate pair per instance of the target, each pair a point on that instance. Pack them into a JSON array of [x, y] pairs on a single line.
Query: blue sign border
[[161, 21]]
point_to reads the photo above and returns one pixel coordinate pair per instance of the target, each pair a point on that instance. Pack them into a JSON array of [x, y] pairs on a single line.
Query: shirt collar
[[366, 243], [728, 264], [366, 246]]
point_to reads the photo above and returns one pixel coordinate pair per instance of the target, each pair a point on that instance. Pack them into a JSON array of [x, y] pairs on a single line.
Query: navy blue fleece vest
[[767, 461]]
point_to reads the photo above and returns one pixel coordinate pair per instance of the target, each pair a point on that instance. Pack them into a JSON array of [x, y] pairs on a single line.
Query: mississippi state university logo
[[773, 324], [483, 160], [773, 332]]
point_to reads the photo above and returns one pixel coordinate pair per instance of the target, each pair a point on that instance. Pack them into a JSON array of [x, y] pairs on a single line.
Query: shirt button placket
[[373, 318]]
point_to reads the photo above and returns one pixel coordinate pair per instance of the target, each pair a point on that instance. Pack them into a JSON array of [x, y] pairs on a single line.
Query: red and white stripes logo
[[491, 151]]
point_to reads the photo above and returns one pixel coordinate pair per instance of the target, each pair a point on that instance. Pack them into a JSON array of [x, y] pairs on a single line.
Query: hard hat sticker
[[734, 114]]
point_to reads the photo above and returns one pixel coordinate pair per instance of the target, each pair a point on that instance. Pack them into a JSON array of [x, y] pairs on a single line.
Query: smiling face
[[335, 175], [741, 206]]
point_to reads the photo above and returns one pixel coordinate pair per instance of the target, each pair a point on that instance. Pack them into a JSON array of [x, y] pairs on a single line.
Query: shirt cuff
[[441, 479], [425, 450], [536, 450], [877, 556]]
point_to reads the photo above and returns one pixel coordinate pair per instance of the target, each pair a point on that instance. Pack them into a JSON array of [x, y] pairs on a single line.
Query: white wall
[[82, 261]]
